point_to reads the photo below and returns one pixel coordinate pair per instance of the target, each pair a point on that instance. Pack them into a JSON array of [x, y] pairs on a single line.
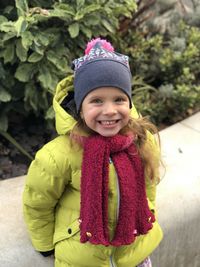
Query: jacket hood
[[64, 121]]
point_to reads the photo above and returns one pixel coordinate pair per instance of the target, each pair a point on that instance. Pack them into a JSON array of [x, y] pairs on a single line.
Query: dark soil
[[31, 136]]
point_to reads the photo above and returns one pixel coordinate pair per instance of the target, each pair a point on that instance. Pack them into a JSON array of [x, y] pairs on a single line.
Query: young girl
[[89, 197]]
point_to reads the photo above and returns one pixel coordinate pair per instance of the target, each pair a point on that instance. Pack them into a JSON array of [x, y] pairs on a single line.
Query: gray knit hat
[[100, 67]]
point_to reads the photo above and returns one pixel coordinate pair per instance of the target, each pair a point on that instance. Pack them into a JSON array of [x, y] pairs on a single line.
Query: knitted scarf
[[134, 218]]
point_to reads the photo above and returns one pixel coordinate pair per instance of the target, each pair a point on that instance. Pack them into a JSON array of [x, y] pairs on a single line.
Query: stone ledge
[[178, 196], [178, 202], [15, 247]]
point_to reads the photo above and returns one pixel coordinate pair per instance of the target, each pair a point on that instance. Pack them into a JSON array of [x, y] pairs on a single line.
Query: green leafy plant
[[38, 40], [38, 45], [170, 65]]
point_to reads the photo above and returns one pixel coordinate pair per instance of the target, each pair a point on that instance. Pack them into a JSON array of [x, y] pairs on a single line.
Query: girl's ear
[[81, 115]]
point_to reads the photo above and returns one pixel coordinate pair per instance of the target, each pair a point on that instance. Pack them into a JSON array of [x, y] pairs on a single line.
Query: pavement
[[178, 202]]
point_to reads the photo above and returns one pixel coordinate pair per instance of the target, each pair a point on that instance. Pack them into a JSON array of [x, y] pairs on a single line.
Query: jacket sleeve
[[151, 184], [46, 180], [151, 195]]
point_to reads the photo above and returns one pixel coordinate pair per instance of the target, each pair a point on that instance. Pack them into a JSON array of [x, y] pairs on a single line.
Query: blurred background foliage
[[39, 39]]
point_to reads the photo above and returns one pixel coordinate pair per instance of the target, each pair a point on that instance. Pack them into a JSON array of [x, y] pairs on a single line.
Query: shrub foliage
[[166, 73], [39, 39]]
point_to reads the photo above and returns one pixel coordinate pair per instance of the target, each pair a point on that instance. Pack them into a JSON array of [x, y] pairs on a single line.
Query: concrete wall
[[179, 196], [15, 247], [178, 201]]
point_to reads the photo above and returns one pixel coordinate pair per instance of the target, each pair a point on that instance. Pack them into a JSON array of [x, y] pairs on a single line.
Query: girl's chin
[[108, 132]]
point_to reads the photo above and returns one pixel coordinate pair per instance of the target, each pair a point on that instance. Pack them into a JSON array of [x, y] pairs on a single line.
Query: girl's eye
[[120, 99], [96, 101]]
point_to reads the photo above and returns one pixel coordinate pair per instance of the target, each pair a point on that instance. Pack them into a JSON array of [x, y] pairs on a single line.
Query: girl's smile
[[106, 110], [109, 123]]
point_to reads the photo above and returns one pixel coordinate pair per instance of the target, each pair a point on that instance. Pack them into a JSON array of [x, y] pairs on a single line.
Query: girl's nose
[[109, 109]]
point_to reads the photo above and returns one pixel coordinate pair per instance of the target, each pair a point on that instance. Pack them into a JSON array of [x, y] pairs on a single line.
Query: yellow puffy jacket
[[51, 203]]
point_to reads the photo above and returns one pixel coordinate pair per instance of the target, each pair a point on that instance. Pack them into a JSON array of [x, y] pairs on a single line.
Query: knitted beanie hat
[[100, 67]]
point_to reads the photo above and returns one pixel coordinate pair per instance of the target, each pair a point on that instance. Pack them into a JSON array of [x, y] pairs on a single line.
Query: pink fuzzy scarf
[[135, 218]]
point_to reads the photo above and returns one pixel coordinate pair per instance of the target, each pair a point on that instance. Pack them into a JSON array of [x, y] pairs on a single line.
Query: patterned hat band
[[97, 54], [100, 67]]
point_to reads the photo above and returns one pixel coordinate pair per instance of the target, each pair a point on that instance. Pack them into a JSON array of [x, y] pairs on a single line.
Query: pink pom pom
[[105, 44]]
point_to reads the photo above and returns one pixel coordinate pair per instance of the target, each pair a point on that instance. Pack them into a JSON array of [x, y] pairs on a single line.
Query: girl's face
[[106, 110]]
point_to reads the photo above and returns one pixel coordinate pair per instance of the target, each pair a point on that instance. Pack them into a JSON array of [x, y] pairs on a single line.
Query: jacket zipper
[[118, 195], [112, 263], [118, 192]]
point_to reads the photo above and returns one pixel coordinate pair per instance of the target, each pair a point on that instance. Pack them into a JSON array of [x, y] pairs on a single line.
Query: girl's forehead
[[103, 91]]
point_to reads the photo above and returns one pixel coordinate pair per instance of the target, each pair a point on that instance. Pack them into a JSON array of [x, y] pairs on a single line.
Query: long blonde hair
[[147, 144], [147, 140]]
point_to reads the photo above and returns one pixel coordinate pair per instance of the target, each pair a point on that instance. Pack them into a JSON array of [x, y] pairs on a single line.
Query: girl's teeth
[[108, 122]]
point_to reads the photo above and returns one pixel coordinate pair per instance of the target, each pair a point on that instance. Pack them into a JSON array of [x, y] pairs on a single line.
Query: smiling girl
[[89, 196], [106, 110]]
